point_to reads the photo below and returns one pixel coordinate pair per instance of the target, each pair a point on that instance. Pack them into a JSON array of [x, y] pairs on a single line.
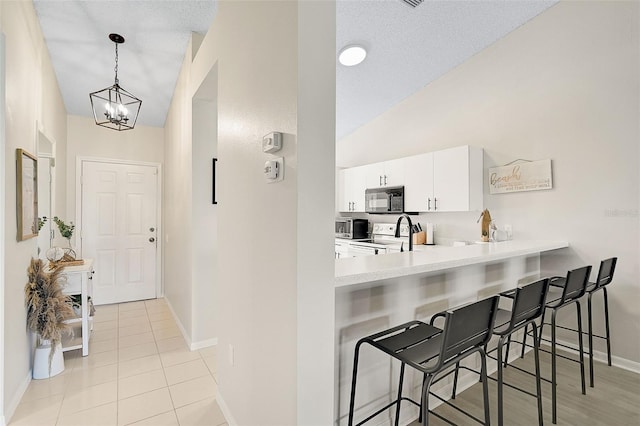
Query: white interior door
[[119, 229]]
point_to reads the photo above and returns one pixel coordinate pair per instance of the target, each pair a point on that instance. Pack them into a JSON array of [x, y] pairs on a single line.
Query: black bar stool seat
[[604, 278], [528, 304], [575, 285], [432, 350]]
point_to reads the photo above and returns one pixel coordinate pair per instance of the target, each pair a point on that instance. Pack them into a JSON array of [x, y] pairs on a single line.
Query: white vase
[[41, 361]]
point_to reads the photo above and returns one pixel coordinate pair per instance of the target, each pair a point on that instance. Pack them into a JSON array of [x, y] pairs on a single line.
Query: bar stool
[[605, 276], [527, 306], [432, 350], [575, 286]]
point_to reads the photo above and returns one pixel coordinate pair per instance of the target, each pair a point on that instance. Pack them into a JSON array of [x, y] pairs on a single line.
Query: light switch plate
[[274, 170]]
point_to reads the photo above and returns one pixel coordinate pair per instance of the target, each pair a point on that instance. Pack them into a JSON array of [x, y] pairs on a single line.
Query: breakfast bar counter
[[358, 270], [373, 293]]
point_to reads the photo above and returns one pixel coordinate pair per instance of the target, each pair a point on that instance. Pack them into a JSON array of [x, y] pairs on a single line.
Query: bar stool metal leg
[[352, 400], [426, 385], [485, 387], [399, 394], [590, 320], [536, 352], [581, 348], [500, 384], [606, 323], [554, 413]]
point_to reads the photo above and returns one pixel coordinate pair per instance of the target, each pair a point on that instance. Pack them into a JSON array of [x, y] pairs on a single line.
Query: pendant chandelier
[[114, 107]]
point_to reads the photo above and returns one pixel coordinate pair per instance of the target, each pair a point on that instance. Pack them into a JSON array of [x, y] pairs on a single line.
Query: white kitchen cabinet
[[449, 180], [457, 179], [386, 173], [444, 181], [418, 183], [351, 187]]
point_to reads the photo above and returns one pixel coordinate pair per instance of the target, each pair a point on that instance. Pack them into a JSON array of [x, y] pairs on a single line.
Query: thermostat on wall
[[272, 142]]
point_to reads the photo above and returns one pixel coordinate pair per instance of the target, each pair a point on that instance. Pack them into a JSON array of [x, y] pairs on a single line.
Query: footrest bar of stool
[[508, 384], [562, 356], [444, 419], [457, 408], [386, 407]]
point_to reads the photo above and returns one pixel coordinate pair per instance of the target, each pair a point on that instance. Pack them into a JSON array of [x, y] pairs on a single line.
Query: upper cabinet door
[[418, 183], [344, 198], [457, 179], [394, 172], [387, 173], [351, 186], [374, 175], [358, 186]]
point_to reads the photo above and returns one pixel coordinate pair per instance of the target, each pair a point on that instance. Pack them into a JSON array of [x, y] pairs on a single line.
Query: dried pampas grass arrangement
[[47, 306]]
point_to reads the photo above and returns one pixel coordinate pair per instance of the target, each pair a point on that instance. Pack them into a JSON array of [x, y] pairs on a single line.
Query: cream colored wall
[[564, 86], [32, 96], [178, 282], [2, 214], [205, 221], [272, 286], [85, 139]]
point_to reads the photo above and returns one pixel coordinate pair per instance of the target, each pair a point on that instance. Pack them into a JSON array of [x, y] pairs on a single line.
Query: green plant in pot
[[47, 309], [66, 230]]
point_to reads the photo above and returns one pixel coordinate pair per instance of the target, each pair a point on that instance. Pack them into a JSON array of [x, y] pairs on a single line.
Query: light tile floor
[[139, 372]]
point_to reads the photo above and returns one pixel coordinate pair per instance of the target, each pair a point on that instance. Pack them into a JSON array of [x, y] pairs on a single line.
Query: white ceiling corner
[[156, 35]]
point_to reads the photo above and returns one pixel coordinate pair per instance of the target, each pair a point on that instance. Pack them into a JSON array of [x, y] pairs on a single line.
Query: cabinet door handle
[[152, 240], [354, 207], [380, 180], [428, 204], [385, 180], [435, 203]]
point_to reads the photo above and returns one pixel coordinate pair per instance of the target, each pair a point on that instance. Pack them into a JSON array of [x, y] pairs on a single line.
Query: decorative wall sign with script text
[[520, 176]]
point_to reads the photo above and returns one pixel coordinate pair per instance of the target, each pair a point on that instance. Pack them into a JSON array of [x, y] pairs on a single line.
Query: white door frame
[[159, 227]]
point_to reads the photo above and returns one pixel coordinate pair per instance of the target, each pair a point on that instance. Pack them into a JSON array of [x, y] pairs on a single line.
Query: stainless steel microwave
[[352, 229], [384, 200]]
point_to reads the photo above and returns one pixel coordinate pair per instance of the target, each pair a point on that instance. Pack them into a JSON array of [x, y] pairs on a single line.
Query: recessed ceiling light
[[352, 55]]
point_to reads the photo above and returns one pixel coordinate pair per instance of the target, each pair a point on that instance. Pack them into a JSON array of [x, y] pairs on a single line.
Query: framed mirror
[[26, 194]]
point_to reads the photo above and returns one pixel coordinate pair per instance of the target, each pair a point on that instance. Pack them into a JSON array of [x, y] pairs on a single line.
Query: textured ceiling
[[156, 31], [408, 48]]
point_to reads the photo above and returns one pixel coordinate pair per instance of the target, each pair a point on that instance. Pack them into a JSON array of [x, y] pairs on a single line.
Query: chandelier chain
[[116, 67]]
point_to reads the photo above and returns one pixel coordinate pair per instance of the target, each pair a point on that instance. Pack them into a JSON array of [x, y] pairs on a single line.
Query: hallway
[[139, 371]]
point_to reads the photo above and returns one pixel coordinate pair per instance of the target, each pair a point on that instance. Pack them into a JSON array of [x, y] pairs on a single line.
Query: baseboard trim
[[204, 344], [183, 331], [225, 409], [17, 397], [600, 356]]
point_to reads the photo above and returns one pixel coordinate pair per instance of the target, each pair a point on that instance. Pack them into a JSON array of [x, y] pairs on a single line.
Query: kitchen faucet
[[410, 230]]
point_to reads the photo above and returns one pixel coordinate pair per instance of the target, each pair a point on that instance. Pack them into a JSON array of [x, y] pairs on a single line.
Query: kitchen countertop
[[364, 269]]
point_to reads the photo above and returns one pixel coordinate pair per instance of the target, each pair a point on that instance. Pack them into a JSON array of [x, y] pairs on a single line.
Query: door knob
[[152, 229], [151, 240]]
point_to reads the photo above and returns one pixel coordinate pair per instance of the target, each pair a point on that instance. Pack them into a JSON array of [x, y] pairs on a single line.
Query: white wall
[[177, 209], [32, 96], [2, 215], [205, 214], [564, 86], [273, 288]]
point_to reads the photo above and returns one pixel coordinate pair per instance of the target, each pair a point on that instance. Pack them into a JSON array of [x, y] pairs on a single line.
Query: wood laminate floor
[[615, 399]]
